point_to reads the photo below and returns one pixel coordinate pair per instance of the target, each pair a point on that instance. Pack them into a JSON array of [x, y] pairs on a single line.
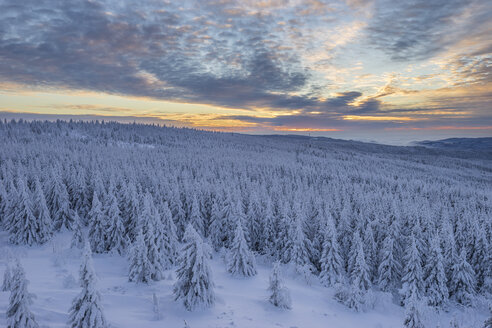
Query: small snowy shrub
[[279, 295]]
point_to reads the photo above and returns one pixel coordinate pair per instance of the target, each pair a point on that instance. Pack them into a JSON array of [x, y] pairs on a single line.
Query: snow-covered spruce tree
[[78, 240], [97, 226], [359, 275], [10, 204], [194, 286], [76, 187], [370, 251], [19, 313], [59, 204], [140, 268], [7, 279], [86, 310], [271, 230], [153, 233], [389, 268], [196, 218], [3, 202], [241, 260], [216, 227], [412, 280], [170, 238], [481, 259], [297, 247], [116, 238], [331, 261], [435, 281], [279, 294], [254, 222], [352, 296], [413, 316], [42, 214], [463, 280], [231, 213], [449, 249], [24, 229], [130, 210]]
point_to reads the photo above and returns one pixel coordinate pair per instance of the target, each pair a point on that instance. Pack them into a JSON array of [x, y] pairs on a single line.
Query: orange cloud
[[443, 128], [380, 118], [286, 129]]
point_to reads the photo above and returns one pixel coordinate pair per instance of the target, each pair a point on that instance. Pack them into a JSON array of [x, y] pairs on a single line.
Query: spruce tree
[[389, 268], [7, 279], [196, 218], [25, 228], [353, 296], [240, 259], [194, 285], [412, 280], [140, 268], [131, 210], [254, 219], [59, 204], [463, 280], [78, 240], [413, 316], [3, 202], [370, 251], [170, 238], [216, 226], [116, 237], [297, 248], [153, 233], [359, 274], [19, 313], [449, 250], [10, 210], [279, 294], [42, 214], [481, 259], [86, 310], [435, 281], [271, 229], [97, 226], [331, 260]]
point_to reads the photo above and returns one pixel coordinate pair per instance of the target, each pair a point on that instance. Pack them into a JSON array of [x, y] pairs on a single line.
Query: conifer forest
[[130, 225]]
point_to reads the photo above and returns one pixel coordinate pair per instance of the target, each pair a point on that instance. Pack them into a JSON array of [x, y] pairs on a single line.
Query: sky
[[377, 70]]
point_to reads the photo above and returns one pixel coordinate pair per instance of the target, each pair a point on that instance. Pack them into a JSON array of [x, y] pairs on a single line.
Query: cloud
[[301, 58], [418, 29]]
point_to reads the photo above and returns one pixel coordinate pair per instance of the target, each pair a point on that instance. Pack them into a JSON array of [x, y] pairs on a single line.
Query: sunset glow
[[258, 66]]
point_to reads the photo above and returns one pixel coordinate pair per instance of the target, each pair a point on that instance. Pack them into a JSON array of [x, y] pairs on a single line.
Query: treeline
[[414, 224]]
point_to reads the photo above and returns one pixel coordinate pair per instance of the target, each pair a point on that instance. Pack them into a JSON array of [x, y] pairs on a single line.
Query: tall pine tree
[[140, 267], [435, 280], [86, 310], [240, 259], [331, 260], [24, 229], [19, 313], [194, 286], [463, 280]]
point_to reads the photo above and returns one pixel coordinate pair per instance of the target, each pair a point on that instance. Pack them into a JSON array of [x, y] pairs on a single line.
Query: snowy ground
[[240, 302]]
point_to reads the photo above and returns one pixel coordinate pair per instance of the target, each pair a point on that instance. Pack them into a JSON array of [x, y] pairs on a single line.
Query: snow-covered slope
[[241, 302], [361, 218], [471, 144]]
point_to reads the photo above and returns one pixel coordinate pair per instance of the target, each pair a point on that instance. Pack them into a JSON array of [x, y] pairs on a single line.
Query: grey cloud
[[417, 29], [110, 47]]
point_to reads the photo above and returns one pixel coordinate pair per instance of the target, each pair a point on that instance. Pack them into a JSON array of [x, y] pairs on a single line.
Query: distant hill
[[481, 144]]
